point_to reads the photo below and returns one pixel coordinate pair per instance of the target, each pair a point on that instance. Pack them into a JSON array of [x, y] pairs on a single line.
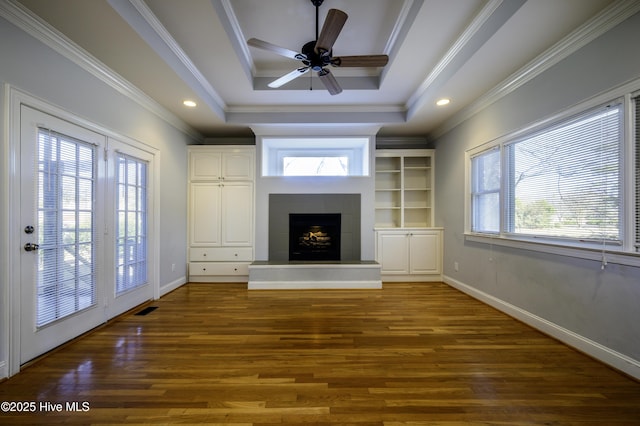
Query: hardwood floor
[[408, 354]]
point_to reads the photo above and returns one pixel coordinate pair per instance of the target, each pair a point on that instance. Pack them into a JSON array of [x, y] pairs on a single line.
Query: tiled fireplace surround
[[279, 273], [281, 205]]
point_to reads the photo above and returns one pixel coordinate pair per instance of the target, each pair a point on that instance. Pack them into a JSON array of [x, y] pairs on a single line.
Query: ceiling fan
[[317, 54]]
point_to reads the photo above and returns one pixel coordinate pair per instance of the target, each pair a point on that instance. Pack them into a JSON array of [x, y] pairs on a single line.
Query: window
[[315, 166], [564, 182], [485, 191], [323, 156], [559, 183]]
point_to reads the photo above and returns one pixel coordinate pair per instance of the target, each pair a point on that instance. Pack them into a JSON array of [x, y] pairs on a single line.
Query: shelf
[[403, 194], [417, 162]]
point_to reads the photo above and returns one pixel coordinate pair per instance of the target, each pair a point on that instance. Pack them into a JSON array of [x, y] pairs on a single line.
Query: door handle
[[31, 247]]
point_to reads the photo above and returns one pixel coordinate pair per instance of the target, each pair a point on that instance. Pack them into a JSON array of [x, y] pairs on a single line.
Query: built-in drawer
[[221, 254], [218, 268]]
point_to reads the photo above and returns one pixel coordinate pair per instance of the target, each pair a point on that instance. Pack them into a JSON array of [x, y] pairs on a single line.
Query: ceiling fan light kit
[[317, 54]]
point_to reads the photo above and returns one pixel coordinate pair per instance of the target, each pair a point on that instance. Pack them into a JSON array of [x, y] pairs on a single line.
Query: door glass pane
[[131, 226], [66, 227]]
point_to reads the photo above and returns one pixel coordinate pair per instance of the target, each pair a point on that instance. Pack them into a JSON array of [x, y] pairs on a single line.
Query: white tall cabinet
[[221, 212], [408, 247]]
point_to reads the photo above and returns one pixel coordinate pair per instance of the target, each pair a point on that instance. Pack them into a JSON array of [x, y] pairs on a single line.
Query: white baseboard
[[169, 287], [219, 278], [594, 349], [313, 285], [393, 278]]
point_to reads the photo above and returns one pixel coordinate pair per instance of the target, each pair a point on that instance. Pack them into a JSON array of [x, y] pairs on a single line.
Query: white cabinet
[[221, 212], [410, 254], [215, 164]]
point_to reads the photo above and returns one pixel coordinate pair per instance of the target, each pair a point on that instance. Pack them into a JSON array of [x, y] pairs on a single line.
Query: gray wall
[[34, 68], [575, 294]]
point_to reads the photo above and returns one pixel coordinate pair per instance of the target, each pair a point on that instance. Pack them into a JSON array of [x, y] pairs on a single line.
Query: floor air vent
[[147, 310]]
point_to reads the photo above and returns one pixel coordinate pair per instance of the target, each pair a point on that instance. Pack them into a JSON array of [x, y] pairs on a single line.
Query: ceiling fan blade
[[360, 61], [282, 51], [329, 81], [288, 77], [330, 30]]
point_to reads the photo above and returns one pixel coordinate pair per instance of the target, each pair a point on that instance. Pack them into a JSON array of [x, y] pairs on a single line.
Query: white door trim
[[10, 193]]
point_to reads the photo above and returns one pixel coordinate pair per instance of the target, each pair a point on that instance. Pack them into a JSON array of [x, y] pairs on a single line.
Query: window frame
[[625, 253], [275, 149]]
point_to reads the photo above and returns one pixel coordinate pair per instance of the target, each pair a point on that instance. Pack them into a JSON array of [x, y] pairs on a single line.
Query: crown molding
[[604, 21], [230, 23], [485, 24], [218, 103], [33, 25], [407, 16]]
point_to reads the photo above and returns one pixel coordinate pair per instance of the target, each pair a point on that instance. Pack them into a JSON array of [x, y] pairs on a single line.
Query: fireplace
[[314, 236]]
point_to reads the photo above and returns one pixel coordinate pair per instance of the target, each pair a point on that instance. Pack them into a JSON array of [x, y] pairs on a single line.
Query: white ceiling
[[196, 49]]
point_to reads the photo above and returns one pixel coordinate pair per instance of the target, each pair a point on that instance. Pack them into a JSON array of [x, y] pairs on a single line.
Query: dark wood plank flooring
[[409, 354]]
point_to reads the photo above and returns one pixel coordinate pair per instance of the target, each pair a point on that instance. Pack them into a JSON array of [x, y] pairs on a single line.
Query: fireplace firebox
[[314, 236]]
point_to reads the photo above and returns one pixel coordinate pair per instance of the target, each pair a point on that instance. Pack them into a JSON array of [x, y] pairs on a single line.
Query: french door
[[61, 277], [85, 221], [129, 248]]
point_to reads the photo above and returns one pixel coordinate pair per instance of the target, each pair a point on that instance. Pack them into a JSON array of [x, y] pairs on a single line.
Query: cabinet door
[[393, 253], [237, 214], [205, 165], [204, 212], [424, 253], [237, 166]]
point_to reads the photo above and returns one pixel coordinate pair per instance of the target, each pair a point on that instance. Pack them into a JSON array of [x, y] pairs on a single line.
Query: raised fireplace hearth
[[314, 236]]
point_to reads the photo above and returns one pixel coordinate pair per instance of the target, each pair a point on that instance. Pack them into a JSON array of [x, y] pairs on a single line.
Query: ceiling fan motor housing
[[314, 60]]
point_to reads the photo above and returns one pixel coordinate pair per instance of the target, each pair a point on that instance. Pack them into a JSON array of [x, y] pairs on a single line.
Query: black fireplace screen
[[314, 236]]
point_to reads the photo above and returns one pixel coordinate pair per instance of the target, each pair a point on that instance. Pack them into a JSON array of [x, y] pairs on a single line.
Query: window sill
[[611, 254]]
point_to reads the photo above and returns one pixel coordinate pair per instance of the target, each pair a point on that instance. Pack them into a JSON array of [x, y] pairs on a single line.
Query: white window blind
[[131, 223], [66, 276], [485, 191], [564, 182]]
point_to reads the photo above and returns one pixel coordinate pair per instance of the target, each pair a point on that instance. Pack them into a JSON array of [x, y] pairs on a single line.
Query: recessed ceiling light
[[443, 102], [189, 103]]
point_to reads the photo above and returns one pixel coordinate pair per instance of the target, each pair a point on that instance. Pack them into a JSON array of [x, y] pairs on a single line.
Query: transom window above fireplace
[[325, 156], [316, 166]]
